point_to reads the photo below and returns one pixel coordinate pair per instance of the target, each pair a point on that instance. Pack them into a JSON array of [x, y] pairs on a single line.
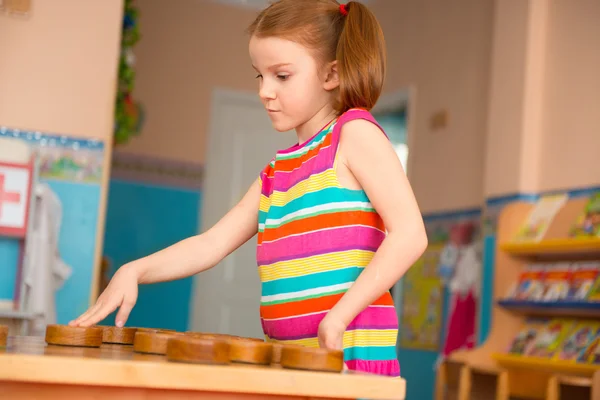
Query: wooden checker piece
[[79, 336], [3, 335], [250, 351], [197, 349], [277, 347], [116, 335], [205, 335], [152, 342], [312, 359]]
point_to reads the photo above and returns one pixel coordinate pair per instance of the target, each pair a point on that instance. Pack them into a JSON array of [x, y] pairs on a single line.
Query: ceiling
[[258, 4]]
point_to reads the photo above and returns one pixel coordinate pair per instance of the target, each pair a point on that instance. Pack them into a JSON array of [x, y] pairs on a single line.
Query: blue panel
[[487, 287], [142, 219], [77, 245], [418, 368], [9, 254]]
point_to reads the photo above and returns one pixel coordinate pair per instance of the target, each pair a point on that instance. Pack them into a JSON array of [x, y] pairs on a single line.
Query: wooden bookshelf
[[521, 376]]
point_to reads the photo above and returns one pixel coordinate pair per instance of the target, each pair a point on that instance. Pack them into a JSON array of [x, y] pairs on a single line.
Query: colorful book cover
[[526, 336], [550, 338], [594, 293], [578, 340], [531, 283], [535, 226], [591, 354], [583, 277], [588, 223], [557, 281]]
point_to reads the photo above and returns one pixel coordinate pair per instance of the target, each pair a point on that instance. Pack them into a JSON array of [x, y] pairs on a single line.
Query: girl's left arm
[[372, 160]]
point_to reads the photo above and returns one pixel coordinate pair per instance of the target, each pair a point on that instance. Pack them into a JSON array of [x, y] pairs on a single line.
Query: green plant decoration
[[129, 114]]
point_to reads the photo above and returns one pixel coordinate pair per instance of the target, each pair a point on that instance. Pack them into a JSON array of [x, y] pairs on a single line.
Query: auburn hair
[[353, 38]]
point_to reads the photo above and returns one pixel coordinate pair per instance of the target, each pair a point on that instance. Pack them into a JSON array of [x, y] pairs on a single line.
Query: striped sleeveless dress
[[314, 239]]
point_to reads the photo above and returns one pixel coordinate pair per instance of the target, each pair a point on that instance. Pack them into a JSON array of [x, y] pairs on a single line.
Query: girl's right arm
[[185, 258]]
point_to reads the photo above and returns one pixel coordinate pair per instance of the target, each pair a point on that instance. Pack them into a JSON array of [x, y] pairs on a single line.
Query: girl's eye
[[258, 76], [283, 77]]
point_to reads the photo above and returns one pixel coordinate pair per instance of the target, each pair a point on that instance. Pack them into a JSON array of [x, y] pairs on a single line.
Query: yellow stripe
[[312, 184], [314, 264], [264, 203], [359, 337]]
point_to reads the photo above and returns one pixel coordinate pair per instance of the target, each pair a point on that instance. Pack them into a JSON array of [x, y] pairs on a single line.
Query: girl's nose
[[266, 92]]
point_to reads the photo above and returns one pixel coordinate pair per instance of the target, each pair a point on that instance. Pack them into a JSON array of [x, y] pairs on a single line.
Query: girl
[[336, 218]]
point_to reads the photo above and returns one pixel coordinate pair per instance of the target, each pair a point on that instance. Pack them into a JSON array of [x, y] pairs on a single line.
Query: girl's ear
[[332, 79]]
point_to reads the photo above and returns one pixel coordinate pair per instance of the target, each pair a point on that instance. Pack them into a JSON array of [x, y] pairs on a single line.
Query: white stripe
[[307, 292], [321, 207], [302, 150]]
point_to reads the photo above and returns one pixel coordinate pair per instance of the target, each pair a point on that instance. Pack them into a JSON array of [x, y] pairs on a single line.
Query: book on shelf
[[577, 281], [549, 339], [588, 223], [559, 339], [540, 217]]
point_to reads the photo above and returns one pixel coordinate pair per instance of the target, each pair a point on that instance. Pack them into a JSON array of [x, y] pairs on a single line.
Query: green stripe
[[323, 196], [314, 296], [317, 140], [299, 283]]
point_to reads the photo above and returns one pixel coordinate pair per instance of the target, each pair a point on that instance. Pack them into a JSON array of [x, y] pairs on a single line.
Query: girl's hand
[[331, 334], [122, 291]]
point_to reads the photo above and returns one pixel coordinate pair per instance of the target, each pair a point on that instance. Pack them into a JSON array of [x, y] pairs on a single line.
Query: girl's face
[[291, 86]]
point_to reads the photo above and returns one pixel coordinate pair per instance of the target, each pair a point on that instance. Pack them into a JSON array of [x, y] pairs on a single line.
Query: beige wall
[[184, 53], [443, 49], [58, 72], [571, 141]]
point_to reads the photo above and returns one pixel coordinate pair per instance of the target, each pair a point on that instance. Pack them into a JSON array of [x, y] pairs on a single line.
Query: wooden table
[[30, 369]]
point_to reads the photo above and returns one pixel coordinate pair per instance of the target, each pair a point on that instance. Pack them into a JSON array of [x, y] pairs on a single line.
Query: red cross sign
[[15, 186]]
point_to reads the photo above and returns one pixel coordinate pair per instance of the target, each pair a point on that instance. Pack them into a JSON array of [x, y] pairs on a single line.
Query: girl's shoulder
[[355, 114]]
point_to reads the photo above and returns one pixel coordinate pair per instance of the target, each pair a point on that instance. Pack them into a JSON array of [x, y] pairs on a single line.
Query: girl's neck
[[312, 126]]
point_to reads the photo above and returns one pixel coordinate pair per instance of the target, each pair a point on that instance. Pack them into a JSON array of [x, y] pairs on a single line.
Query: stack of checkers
[[197, 347]]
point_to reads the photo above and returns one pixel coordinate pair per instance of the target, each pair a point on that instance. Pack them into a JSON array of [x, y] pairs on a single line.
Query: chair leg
[[502, 392], [464, 385]]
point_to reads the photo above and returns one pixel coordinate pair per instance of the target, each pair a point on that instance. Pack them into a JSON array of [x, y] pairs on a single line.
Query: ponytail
[[361, 59]]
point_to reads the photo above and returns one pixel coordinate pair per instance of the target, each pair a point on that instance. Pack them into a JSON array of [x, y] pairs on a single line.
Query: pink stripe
[[320, 242], [282, 329], [321, 162], [267, 185], [386, 367], [307, 325]]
